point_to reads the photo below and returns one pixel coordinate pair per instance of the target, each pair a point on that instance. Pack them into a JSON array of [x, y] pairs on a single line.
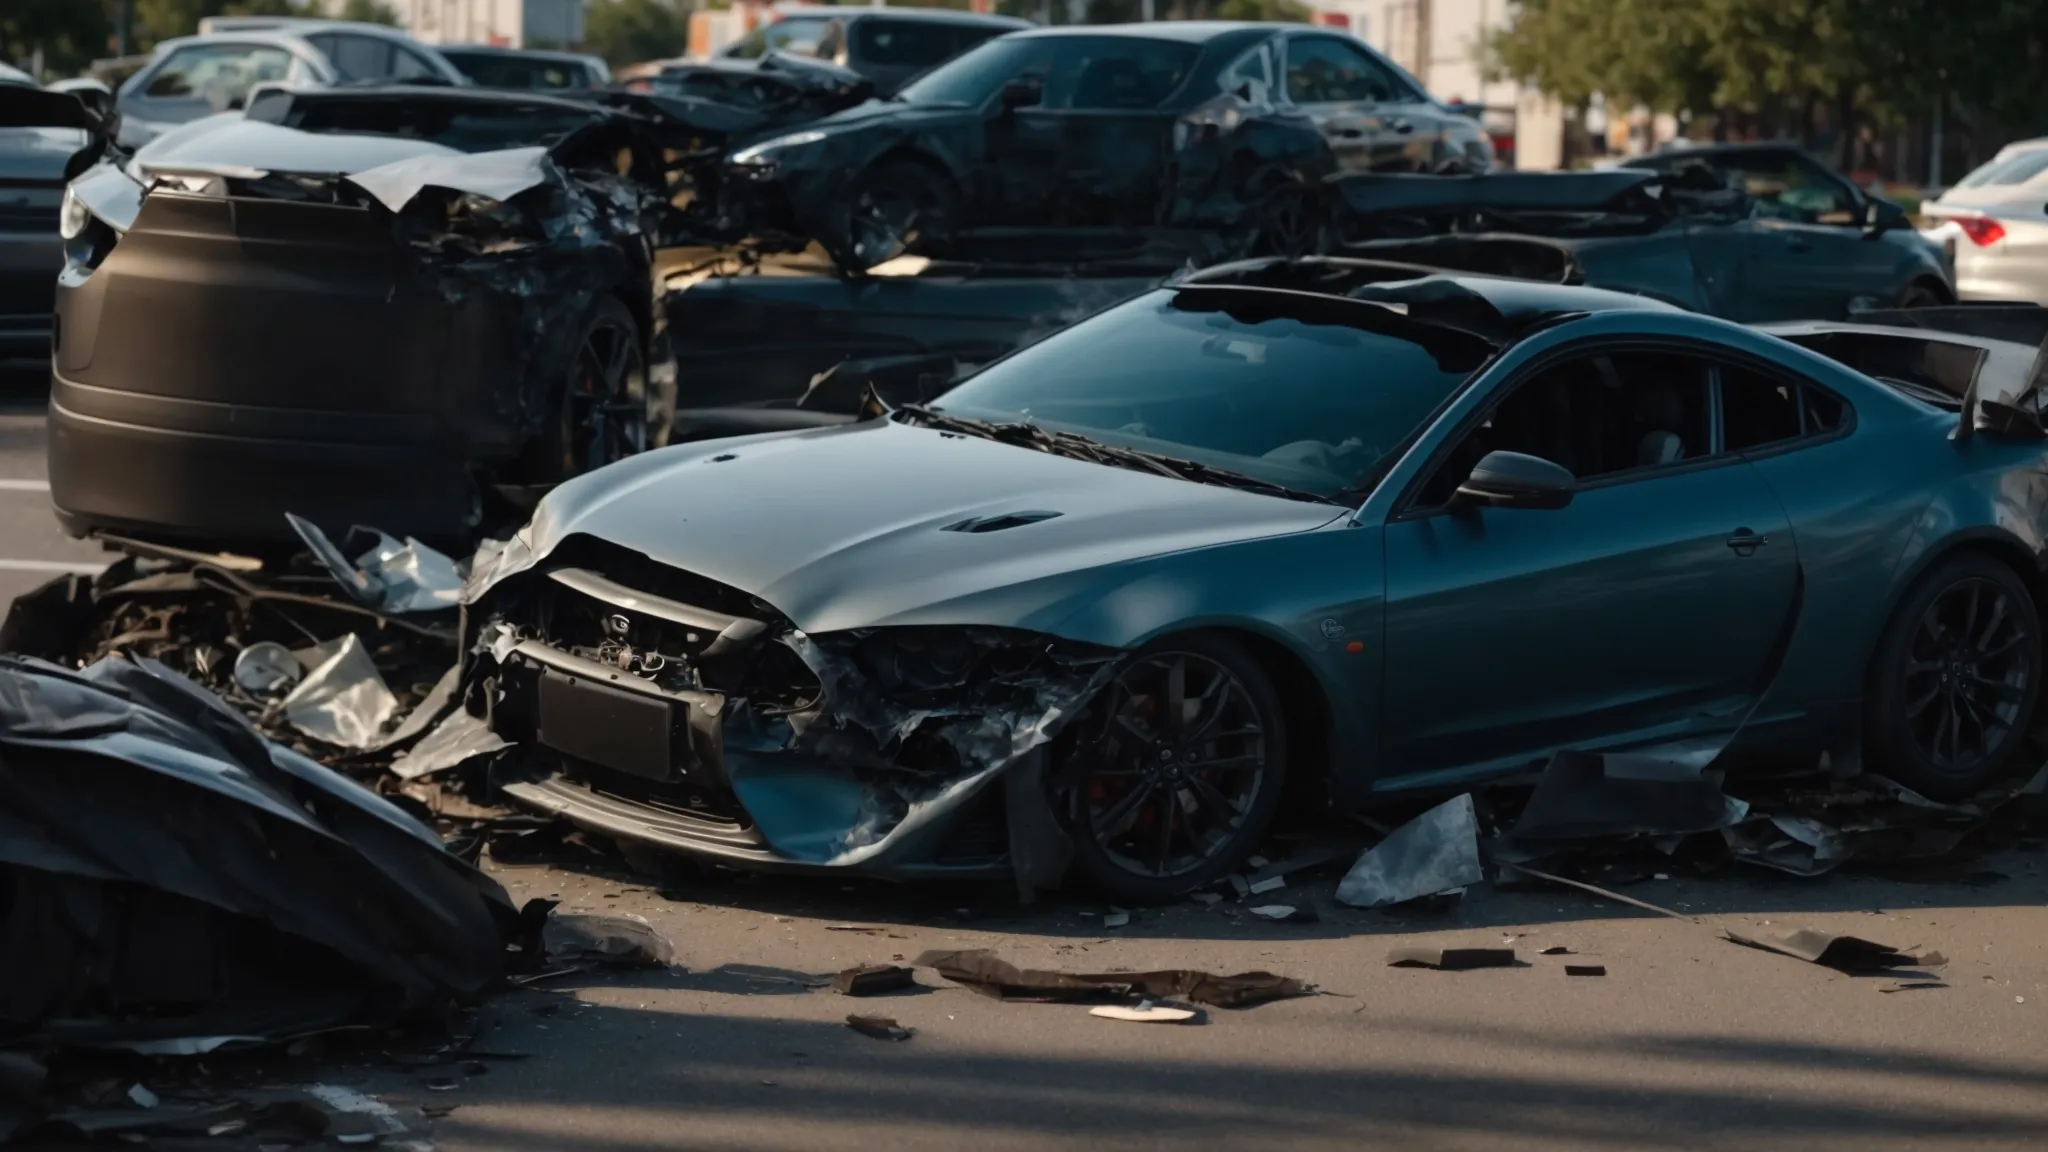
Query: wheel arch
[[908, 152], [1305, 709], [1999, 544], [1943, 293]]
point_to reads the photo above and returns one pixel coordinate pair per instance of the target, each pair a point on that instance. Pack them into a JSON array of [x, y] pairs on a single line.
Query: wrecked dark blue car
[[1108, 598]]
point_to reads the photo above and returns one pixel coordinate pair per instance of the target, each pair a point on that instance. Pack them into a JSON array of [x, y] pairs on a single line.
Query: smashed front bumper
[[655, 706]]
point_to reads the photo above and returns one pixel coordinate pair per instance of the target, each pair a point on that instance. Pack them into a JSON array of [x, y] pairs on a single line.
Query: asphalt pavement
[[1687, 1041]]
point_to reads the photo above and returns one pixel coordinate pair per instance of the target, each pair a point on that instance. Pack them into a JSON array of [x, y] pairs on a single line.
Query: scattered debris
[[615, 941], [879, 1027], [1850, 954], [1116, 919], [1912, 986], [1585, 969], [874, 979], [1435, 852], [1557, 950], [1285, 912], [990, 975], [1595, 890], [1451, 959], [342, 701], [1206, 899], [1145, 1012], [1269, 884], [386, 575], [1583, 796]]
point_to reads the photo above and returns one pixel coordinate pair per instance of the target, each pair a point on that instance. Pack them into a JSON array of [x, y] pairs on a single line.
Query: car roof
[[920, 15], [1186, 31], [523, 53], [1500, 308]]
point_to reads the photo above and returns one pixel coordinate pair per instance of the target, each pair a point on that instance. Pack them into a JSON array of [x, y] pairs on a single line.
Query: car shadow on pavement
[[620, 1078]]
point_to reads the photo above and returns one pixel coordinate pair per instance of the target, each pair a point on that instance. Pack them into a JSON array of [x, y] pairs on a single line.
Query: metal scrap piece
[[1451, 959], [343, 700], [874, 979], [991, 976], [1850, 954], [1435, 852], [879, 1027]]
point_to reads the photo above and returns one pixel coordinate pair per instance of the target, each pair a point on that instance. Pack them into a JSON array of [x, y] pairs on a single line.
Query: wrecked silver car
[[1116, 593]]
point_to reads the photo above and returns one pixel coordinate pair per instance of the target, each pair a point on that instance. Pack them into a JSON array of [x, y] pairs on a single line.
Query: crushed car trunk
[[171, 882]]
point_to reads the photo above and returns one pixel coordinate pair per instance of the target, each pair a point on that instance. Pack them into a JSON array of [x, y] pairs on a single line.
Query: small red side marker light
[[1355, 646]]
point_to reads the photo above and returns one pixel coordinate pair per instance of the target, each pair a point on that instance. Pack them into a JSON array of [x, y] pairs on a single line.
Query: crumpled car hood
[[861, 526], [229, 141]]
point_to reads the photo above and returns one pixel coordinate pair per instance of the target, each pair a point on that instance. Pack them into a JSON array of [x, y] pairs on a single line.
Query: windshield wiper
[[1078, 447]]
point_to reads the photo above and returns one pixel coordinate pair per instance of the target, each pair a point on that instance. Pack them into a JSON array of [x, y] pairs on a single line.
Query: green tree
[[69, 33], [631, 31], [369, 12]]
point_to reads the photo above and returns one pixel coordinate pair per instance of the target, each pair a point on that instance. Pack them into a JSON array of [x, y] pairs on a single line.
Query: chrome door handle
[[1745, 542]]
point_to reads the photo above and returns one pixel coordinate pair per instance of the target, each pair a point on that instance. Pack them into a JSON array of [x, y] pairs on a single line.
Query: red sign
[[1334, 19]]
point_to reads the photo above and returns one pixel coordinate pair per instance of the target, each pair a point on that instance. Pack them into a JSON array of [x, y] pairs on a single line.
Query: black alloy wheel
[[1959, 674], [894, 206], [1177, 770], [1288, 224], [604, 408]]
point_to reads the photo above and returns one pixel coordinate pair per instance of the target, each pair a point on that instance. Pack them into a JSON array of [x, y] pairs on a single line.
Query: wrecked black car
[[1111, 594], [1684, 236], [1178, 126], [366, 305]]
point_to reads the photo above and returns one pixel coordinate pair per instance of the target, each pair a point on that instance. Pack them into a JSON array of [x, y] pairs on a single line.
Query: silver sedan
[[1994, 226]]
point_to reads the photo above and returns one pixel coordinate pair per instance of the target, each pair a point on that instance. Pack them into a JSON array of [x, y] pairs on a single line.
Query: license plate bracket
[[609, 727]]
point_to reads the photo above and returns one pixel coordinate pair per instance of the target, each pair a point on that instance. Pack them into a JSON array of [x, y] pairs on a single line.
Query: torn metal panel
[[1590, 796], [1436, 852], [1844, 953], [990, 975], [387, 575], [252, 891], [342, 701]]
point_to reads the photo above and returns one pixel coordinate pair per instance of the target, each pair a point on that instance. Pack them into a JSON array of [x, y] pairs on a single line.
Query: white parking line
[[24, 485], [82, 567]]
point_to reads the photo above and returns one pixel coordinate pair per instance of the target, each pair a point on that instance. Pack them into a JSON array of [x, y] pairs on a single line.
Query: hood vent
[[999, 523]]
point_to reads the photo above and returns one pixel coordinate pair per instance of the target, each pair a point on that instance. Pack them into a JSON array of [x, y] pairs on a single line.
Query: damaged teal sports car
[[1275, 530]]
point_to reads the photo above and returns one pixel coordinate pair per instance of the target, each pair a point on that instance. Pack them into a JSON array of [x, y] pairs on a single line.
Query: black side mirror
[[1880, 216], [1022, 94], [1513, 480]]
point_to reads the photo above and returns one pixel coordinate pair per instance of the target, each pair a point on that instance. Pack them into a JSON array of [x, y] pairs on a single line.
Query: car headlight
[[72, 217], [764, 151]]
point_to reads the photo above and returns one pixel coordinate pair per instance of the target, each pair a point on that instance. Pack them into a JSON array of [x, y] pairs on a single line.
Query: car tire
[[892, 208], [1956, 676], [1202, 794], [1289, 224], [600, 410], [1921, 294]]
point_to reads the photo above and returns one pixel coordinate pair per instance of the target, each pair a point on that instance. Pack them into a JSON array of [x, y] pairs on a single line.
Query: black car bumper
[[190, 469]]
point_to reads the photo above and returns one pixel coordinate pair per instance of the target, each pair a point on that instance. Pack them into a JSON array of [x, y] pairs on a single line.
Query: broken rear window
[[1305, 392]]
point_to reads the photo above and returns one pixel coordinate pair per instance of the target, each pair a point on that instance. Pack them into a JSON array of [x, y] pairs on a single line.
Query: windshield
[[1301, 391]]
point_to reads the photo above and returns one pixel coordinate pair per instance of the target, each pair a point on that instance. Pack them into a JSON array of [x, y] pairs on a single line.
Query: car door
[[1371, 119], [1647, 608], [1807, 254]]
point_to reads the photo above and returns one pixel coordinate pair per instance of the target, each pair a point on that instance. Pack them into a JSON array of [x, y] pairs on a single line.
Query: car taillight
[[1982, 230]]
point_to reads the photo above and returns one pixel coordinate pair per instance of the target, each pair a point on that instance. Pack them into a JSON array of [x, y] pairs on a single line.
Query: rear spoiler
[[2015, 323]]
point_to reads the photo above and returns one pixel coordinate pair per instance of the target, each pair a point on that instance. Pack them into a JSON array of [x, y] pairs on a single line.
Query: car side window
[[1115, 73], [1758, 410], [357, 57], [1250, 78], [1789, 187], [220, 74], [410, 65], [1325, 70], [911, 43], [1596, 416]]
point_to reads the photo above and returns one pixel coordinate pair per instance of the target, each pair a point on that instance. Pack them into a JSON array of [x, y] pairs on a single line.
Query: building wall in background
[[507, 23]]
